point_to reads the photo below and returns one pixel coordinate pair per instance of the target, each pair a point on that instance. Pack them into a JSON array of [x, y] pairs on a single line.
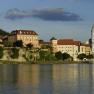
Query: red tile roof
[[24, 32], [68, 42]]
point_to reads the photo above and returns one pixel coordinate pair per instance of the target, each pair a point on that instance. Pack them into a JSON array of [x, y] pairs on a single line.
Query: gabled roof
[[68, 42], [24, 32]]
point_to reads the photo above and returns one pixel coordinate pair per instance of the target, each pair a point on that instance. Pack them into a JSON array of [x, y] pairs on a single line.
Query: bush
[[58, 55], [1, 52], [18, 43], [65, 56], [29, 46], [14, 53], [82, 56], [8, 43]]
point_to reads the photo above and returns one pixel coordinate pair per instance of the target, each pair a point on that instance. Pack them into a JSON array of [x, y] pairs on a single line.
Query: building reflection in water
[[73, 79], [28, 79], [47, 79], [65, 79]]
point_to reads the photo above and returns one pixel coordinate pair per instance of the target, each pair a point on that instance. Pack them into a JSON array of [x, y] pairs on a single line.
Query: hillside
[[2, 32]]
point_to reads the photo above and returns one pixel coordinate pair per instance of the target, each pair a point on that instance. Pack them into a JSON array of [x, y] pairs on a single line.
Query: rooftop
[[24, 32]]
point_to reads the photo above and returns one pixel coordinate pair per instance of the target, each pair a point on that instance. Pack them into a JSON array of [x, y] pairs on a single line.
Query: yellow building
[[85, 48], [27, 36]]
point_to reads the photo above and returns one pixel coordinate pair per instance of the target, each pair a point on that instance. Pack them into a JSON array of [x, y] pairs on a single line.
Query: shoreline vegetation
[[45, 62], [17, 55]]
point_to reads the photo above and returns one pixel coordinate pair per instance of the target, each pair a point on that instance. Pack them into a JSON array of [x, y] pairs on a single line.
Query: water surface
[[47, 79]]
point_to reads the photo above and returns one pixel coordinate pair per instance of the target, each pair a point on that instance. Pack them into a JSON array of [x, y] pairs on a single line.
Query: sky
[[49, 18]]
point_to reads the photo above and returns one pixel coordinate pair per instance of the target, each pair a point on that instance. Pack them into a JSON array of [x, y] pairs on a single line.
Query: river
[[47, 79]]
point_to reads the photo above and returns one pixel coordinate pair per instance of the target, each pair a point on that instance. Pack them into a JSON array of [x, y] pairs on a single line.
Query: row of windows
[[28, 37]]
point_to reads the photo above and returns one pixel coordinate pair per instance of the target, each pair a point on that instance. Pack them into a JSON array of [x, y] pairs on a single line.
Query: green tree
[[65, 56], [42, 55], [29, 46], [8, 43], [18, 43], [58, 55], [1, 52], [90, 56], [14, 53], [81, 56]]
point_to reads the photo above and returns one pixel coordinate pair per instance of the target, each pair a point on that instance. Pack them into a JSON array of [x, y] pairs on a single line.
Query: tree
[[1, 52], [42, 55], [14, 53], [29, 45], [8, 43], [18, 43], [89, 56], [65, 56], [82, 56], [58, 55]]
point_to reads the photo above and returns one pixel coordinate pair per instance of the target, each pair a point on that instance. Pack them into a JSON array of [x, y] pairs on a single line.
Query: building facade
[[27, 36], [92, 39], [70, 46]]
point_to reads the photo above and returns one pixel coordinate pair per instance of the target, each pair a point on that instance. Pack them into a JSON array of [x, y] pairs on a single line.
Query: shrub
[[14, 53], [1, 52]]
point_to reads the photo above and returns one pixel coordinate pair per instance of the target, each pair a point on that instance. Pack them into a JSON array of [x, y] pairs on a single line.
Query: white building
[[92, 38]]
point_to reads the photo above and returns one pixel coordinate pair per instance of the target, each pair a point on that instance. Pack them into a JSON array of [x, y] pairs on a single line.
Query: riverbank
[[45, 62]]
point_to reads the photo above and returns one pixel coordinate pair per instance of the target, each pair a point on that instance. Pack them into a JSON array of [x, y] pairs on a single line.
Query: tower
[[92, 39]]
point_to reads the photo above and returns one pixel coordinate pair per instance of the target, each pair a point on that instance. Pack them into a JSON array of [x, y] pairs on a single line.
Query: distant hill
[[2, 32]]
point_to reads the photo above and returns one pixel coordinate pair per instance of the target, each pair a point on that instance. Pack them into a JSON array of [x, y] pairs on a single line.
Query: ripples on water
[[47, 79]]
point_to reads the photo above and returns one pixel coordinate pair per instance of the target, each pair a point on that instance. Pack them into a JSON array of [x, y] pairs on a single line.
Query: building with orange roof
[[27, 36], [70, 46]]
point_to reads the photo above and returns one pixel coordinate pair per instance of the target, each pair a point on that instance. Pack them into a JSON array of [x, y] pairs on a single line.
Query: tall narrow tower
[[92, 39]]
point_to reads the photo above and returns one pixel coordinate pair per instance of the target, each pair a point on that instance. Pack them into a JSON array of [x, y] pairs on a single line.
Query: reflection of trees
[[10, 73]]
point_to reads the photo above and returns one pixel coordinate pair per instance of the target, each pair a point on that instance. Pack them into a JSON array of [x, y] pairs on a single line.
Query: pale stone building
[[85, 48], [92, 39], [70, 46], [27, 36]]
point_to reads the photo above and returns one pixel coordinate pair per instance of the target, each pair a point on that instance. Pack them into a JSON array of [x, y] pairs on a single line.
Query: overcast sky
[[59, 18]]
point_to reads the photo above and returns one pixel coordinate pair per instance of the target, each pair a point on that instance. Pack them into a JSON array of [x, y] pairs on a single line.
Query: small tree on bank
[[18, 43], [82, 56], [62, 56], [1, 52], [14, 53], [65, 56], [58, 55], [89, 56], [8, 43], [29, 46]]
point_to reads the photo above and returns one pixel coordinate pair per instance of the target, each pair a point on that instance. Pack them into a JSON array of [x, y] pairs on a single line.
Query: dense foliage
[[14, 53], [18, 43], [62, 56], [46, 56], [82, 56], [58, 55], [8, 43], [65, 56], [29, 46], [1, 52]]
